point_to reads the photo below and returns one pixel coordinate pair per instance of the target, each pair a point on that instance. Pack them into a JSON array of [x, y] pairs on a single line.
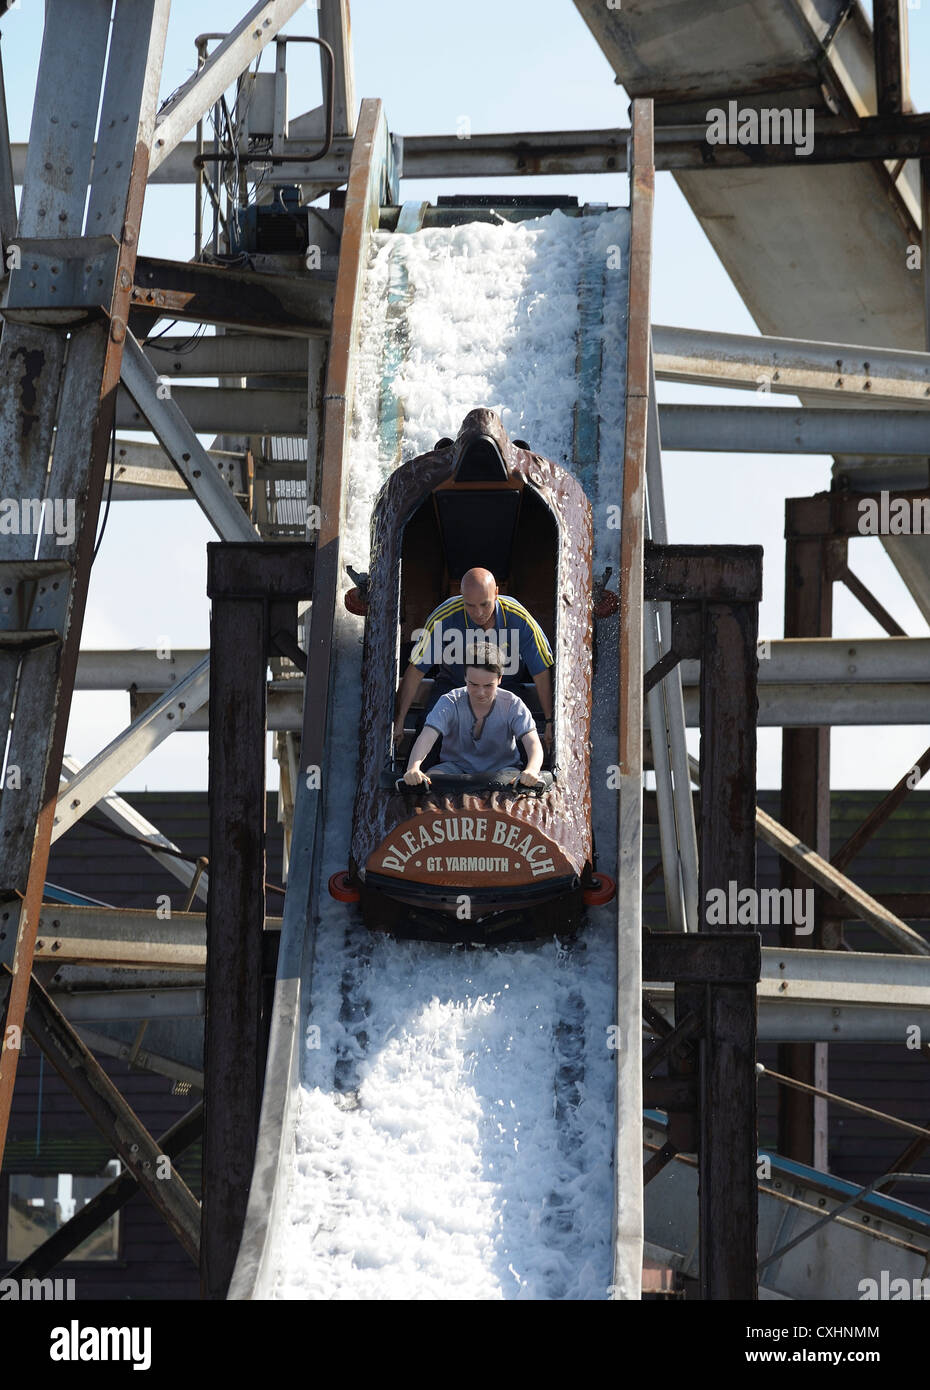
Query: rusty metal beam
[[889, 45], [728, 1195], [254, 590], [810, 566], [868, 600], [836, 514], [298, 305]]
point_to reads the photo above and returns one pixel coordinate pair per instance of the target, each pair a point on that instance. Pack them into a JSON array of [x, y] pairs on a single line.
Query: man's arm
[[534, 756], [424, 742], [405, 693], [543, 683]]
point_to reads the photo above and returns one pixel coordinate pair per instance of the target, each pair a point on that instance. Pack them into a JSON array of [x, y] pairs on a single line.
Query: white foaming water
[[454, 1166]]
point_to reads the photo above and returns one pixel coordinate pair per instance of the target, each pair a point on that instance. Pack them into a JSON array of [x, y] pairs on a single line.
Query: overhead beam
[[806, 706], [147, 670], [783, 661], [780, 705], [837, 661], [129, 937], [124, 1005], [297, 305], [792, 365], [513, 154], [214, 410], [192, 100], [228, 354], [685, 428], [753, 429], [144, 472]]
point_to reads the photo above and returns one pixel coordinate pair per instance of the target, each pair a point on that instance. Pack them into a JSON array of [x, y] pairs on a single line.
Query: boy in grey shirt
[[480, 724]]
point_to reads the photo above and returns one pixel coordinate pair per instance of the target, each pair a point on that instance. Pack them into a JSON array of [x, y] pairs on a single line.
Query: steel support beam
[[831, 661], [835, 661], [805, 811], [213, 410], [729, 1129], [513, 154], [254, 590], [889, 41], [335, 28], [296, 305], [808, 866], [144, 471], [140, 1058], [851, 373], [751, 429], [116, 1121], [109, 1005], [715, 595], [228, 354], [129, 937], [176, 435], [799, 706], [37, 386]]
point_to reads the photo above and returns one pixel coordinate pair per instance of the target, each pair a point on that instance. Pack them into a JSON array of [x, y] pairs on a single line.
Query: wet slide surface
[[455, 1118]]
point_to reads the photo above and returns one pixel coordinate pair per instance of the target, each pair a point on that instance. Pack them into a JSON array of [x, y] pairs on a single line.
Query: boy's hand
[[529, 779], [415, 778]]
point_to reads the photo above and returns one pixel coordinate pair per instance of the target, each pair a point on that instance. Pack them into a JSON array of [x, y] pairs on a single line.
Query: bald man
[[449, 635]]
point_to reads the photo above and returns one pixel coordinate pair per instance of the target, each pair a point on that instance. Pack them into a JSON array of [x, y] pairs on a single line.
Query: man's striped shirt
[[515, 630]]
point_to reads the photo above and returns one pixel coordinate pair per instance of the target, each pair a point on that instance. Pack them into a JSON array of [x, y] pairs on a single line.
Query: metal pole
[[728, 1195], [671, 686], [805, 810], [628, 1158]]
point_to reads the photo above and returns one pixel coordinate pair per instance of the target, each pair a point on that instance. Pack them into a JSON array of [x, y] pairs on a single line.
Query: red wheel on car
[[341, 889], [356, 603], [602, 889]]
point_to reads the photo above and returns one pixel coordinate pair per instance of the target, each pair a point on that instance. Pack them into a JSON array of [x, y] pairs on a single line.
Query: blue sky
[[514, 66]]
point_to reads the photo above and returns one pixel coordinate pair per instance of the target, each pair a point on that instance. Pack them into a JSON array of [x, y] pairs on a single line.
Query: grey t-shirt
[[496, 747]]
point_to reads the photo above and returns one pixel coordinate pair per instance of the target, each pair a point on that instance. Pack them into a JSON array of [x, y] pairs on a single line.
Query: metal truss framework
[[63, 357]]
